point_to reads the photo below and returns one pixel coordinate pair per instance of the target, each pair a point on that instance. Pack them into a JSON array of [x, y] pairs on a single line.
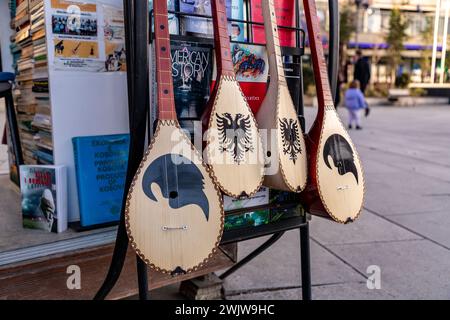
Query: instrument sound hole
[[173, 194]]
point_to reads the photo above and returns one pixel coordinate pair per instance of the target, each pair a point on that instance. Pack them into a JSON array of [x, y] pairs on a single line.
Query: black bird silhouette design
[[341, 152], [180, 181], [290, 134], [235, 135]]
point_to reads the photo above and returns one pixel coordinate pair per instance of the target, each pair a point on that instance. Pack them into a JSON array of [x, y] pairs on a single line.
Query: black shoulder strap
[[137, 31]]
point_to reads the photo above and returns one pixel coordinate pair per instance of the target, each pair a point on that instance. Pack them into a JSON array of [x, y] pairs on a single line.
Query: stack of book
[[32, 94], [12, 8], [25, 102], [42, 122]]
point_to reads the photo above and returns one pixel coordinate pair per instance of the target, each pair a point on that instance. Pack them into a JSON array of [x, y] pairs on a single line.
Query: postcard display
[[71, 79]]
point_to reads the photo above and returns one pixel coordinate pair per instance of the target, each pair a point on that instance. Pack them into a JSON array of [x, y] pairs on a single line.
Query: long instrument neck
[[166, 104], [324, 96], [273, 42], [222, 39]]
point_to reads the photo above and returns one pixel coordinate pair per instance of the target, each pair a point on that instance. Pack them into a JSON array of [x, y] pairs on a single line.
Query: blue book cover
[[101, 166]]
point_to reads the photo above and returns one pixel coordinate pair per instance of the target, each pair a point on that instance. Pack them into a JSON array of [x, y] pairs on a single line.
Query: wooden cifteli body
[[174, 211], [285, 149], [233, 147], [335, 187]]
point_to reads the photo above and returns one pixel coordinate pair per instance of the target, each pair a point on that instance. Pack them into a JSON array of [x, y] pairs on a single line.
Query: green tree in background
[[347, 26], [427, 39], [396, 38]]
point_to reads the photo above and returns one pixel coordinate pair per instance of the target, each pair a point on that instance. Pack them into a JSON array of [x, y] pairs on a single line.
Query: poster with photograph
[[203, 26], [114, 24], [116, 59], [114, 37], [172, 5], [71, 25], [75, 33], [75, 49]]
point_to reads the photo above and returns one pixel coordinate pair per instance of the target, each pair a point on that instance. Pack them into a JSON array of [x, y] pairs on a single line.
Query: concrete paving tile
[[290, 294], [350, 291], [342, 291], [409, 167], [433, 225], [368, 228], [416, 269], [388, 201], [279, 266]]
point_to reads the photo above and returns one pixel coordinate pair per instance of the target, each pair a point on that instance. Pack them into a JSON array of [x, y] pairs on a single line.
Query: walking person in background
[[355, 102], [362, 71]]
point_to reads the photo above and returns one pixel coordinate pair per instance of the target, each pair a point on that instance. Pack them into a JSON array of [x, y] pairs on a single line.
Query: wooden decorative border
[[133, 184], [219, 87], [279, 153]]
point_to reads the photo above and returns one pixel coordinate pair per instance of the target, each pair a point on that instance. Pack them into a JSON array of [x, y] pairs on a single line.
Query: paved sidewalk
[[404, 229]]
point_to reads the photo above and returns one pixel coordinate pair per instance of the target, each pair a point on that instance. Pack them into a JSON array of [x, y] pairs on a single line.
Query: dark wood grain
[[45, 278]]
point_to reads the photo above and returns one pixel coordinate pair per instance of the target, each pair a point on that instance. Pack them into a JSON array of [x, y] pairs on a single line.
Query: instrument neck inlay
[[222, 39], [166, 102]]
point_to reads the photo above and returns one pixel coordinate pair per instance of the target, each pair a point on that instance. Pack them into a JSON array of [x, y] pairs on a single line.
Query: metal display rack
[[138, 31]]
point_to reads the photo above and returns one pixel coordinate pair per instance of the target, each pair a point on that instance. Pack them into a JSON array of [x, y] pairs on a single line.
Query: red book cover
[[252, 69], [285, 11]]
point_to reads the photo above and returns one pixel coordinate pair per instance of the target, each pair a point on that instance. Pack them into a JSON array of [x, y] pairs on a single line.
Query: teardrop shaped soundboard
[[340, 179], [335, 189], [235, 157], [174, 212], [286, 161], [233, 144]]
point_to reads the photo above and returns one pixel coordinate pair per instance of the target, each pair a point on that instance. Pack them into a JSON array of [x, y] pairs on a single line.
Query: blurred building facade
[[373, 26]]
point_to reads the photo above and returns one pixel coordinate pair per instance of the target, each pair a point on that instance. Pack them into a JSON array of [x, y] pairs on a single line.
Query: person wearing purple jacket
[[355, 102]]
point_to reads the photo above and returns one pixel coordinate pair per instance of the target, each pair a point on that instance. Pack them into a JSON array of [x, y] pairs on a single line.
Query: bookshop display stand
[[138, 28]]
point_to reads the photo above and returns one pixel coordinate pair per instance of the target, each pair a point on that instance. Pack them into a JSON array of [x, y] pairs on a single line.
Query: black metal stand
[[137, 32], [305, 261], [6, 92]]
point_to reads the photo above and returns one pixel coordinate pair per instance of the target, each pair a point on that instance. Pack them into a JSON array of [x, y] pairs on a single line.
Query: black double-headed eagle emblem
[[290, 135], [235, 135]]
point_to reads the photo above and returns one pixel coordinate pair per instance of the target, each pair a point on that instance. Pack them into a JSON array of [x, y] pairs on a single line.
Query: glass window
[[374, 21]]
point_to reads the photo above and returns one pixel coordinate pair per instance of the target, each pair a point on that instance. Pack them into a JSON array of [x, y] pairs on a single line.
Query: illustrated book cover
[[44, 197]]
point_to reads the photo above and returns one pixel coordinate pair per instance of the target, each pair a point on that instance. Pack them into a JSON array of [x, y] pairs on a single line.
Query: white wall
[[83, 104], [5, 33]]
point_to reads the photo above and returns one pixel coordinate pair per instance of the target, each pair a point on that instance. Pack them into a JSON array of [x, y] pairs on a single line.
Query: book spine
[[76, 148], [61, 192]]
